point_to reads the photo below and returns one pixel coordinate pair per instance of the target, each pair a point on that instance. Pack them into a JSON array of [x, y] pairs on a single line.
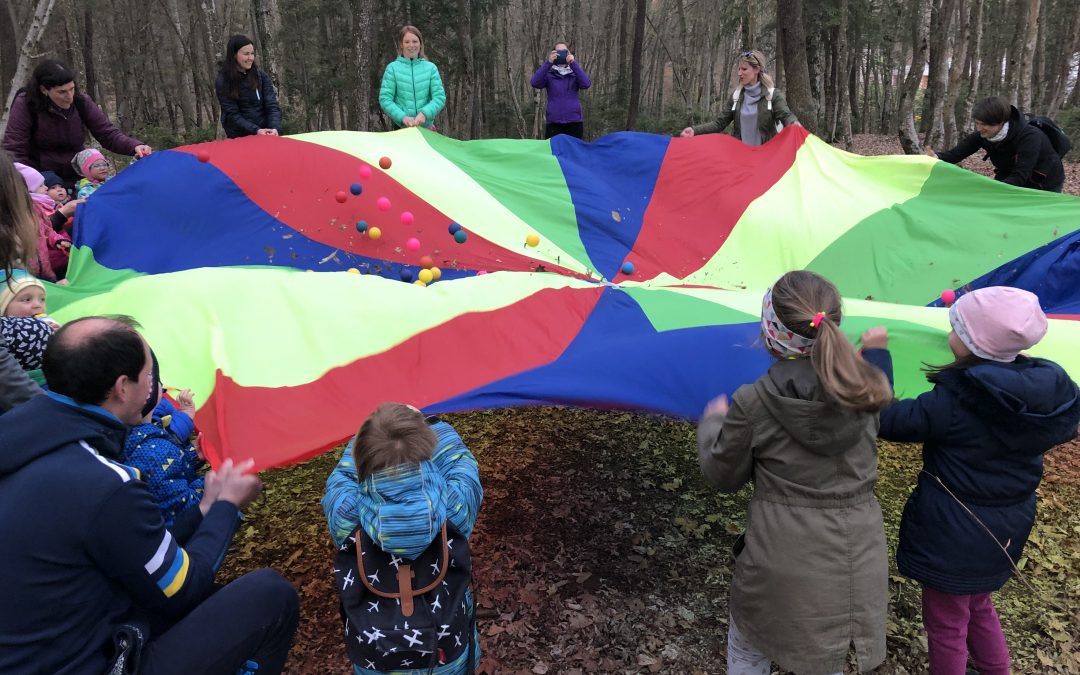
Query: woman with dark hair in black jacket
[[249, 105], [1021, 153]]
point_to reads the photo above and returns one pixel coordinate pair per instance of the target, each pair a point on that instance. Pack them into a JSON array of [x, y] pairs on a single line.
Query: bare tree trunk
[[831, 43], [9, 55], [845, 70], [778, 60], [959, 61], [974, 68], [1061, 78], [1015, 62], [268, 26], [1023, 99], [909, 138], [894, 64], [789, 15], [90, 84], [470, 112], [635, 65], [940, 29], [38, 24]]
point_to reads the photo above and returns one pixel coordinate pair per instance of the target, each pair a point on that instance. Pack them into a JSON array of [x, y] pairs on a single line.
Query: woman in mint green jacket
[[412, 92]]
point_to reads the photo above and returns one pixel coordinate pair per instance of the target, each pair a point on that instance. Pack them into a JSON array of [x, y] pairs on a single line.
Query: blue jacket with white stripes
[[84, 545]]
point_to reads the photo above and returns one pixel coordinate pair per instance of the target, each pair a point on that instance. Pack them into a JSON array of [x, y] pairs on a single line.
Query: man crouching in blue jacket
[[92, 580]]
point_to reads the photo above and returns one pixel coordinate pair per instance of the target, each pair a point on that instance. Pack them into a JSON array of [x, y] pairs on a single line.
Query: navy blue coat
[[984, 431], [255, 108]]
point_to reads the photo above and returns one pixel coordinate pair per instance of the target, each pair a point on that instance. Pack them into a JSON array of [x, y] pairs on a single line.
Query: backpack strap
[[405, 575], [738, 90]]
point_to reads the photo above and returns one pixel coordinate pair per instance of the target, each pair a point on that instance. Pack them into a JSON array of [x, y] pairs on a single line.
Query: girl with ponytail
[[811, 569]]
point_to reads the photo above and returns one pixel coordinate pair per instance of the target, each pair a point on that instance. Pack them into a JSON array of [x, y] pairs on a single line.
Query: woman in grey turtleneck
[[759, 110]]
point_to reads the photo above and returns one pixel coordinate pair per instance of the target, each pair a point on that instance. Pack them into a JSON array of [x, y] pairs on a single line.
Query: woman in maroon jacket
[[49, 120]]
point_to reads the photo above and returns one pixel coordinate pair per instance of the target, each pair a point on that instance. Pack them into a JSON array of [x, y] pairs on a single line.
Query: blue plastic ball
[[361, 226], [628, 268], [460, 236], [406, 274], [356, 188], [454, 228]]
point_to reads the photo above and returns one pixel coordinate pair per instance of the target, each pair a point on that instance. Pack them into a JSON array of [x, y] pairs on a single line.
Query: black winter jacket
[[255, 108], [1024, 157], [984, 431], [83, 540]]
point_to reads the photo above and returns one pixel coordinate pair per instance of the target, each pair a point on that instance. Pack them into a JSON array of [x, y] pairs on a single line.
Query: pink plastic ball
[[948, 296], [383, 204], [365, 171], [413, 244], [406, 217]]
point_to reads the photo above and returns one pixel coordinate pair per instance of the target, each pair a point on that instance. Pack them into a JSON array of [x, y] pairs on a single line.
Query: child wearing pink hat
[[94, 169], [985, 426], [53, 246]]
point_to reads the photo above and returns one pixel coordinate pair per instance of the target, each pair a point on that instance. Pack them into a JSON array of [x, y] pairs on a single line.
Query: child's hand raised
[[718, 406], [186, 402], [875, 338]]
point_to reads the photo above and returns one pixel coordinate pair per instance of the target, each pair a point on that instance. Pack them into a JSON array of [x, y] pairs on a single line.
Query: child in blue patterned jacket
[[161, 449], [402, 503]]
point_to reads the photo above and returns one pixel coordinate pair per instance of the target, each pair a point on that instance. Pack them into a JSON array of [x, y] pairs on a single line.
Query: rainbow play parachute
[[235, 258]]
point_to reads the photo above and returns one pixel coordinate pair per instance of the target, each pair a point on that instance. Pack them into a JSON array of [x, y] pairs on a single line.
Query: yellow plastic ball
[[353, 270], [419, 283], [374, 232], [533, 239], [426, 276], [436, 273]]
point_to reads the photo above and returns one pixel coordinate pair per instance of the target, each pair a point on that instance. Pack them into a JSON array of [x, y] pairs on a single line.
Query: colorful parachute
[[211, 248]]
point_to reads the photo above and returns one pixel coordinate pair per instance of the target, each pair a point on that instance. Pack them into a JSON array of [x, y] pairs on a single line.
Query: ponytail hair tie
[[816, 321]]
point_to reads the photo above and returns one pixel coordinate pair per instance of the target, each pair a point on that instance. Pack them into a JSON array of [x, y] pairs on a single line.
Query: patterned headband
[[781, 341]]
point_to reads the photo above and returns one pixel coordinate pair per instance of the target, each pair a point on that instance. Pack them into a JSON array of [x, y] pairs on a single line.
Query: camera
[[560, 57]]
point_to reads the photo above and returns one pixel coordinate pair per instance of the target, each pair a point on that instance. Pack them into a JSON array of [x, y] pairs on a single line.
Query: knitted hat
[[998, 322], [51, 179], [10, 287], [32, 176], [84, 159]]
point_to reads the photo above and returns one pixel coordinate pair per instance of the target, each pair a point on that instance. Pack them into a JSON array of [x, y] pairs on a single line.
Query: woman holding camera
[[563, 77]]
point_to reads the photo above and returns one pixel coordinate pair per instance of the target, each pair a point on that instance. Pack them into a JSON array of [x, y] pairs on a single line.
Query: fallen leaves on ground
[[600, 549]]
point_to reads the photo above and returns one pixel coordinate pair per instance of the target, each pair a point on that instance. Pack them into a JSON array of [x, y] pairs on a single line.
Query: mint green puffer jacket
[[411, 86]]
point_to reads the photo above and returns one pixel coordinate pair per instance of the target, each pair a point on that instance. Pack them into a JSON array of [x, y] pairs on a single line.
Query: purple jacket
[[60, 135], [563, 106]]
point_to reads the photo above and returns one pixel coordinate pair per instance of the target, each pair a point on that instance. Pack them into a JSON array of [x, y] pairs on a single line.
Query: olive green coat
[[812, 578], [766, 120]]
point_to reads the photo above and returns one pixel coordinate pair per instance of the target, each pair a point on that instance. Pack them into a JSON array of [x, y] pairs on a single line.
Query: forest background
[[905, 68], [599, 549]]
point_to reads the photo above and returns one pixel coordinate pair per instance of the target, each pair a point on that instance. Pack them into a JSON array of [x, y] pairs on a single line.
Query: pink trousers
[[958, 625]]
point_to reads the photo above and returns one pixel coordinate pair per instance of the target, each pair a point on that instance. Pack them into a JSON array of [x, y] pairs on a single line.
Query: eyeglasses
[[748, 57]]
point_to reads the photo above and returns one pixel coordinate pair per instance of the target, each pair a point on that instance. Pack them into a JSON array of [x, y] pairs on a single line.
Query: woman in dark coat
[[249, 105], [49, 120], [1021, 153]]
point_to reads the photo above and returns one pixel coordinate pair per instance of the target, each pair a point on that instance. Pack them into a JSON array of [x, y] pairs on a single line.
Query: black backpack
[[406, 615], [1058, 138]]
